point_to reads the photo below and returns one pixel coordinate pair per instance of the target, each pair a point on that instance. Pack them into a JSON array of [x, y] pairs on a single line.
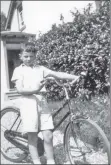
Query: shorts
[[31, 120]]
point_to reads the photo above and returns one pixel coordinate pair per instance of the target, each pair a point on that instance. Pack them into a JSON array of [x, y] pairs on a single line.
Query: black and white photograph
[[55, 82]]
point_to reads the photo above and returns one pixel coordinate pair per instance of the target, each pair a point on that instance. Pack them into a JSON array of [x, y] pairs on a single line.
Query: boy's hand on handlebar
[[77, 78]]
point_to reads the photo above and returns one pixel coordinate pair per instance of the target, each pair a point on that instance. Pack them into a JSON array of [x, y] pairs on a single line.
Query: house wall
[[4, 82], [40, 15], [14, 25]]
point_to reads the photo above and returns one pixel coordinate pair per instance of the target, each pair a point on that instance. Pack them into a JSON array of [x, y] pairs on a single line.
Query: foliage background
[[80, 45], [2, 21]]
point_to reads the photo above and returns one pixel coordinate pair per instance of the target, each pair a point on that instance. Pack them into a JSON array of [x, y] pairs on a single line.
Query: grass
[[98, 109]]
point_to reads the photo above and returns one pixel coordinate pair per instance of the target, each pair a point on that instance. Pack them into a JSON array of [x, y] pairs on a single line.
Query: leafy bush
[[76, 46], [2, 21]]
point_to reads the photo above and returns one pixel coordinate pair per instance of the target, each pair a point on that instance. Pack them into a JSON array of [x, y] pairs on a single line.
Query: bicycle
[[83, 138]]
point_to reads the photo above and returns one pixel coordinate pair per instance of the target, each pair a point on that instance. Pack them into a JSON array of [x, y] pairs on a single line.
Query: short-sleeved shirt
[[30, 76]]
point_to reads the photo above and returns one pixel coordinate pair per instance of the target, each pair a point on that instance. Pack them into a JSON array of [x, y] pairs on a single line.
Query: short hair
[[29, 46]]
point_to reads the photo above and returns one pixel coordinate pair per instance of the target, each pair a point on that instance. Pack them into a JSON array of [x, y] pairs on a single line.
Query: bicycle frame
[[64, 117], [17, 138], [24, 137], [70, 112], [66, 103]]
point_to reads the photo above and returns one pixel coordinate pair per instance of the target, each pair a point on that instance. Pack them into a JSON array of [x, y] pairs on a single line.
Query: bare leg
[[48, 146], [32, 141]]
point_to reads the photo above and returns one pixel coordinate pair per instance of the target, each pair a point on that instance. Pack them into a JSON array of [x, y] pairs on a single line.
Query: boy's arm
[[63, 76], [59, 75]]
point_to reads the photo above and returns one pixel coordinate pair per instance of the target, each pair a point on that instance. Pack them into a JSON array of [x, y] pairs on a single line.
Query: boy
[[34, 110]]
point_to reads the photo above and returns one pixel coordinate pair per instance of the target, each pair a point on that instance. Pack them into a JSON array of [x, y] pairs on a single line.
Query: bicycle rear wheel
[[8, 150], [86, 143]]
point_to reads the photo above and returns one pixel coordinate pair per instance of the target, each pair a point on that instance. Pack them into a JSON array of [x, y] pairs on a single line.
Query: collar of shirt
[[23, 65]]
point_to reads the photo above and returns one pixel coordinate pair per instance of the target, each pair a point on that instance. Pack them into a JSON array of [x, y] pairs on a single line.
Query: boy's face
[[28, 58]]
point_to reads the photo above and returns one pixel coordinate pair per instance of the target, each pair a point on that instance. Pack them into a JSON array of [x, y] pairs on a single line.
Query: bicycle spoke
[[10, 119], [85, 145]]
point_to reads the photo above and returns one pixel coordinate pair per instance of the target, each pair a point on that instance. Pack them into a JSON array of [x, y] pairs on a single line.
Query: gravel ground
[[58, 151]]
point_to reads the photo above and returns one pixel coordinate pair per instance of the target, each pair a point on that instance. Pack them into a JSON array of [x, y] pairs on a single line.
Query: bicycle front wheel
[[10, 117], [86, 143]]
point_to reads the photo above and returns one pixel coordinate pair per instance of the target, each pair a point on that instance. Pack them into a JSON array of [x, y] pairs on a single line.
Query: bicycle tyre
[[13, 156], [79, 139]]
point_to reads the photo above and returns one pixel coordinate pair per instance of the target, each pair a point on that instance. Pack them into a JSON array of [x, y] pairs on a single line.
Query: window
[[20, 17], [13, 62]]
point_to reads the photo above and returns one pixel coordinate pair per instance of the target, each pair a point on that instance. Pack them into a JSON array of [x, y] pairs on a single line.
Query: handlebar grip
[[83, 74]]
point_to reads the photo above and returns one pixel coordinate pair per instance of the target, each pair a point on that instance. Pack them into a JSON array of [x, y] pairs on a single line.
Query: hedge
[[80, 45]]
